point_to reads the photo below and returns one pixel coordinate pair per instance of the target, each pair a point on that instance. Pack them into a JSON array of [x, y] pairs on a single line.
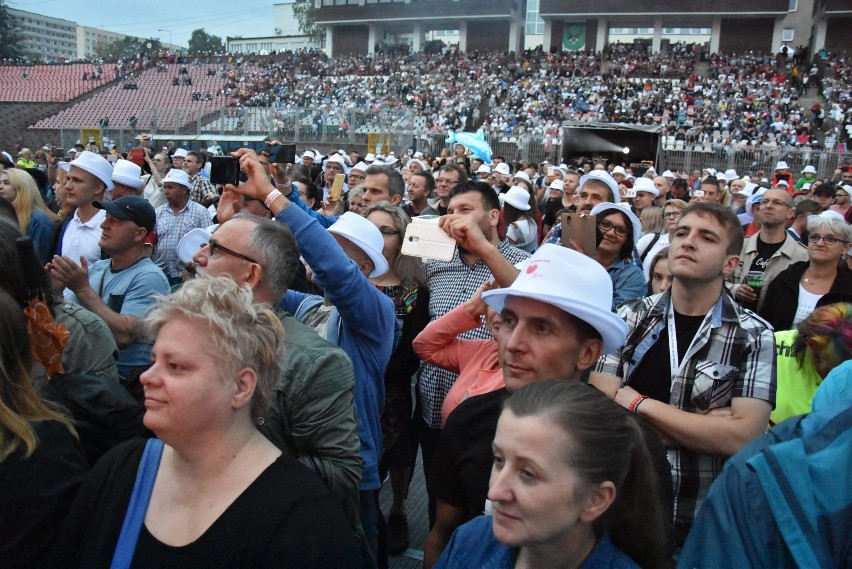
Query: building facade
[[44, 37]]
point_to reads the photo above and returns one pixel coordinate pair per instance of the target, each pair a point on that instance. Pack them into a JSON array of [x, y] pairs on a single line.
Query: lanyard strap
[[674, 356]]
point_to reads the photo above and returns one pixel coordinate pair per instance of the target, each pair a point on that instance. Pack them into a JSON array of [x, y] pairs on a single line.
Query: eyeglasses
[[606, 227], [385, 230], [672, 215], [778, 203], [829, 239], [215, 246], [442, 181]]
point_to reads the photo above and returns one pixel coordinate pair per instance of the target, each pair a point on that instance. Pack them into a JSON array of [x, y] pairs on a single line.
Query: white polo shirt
[[81, 239]]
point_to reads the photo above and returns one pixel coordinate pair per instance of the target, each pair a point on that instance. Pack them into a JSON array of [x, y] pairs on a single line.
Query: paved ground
[[418, 519]]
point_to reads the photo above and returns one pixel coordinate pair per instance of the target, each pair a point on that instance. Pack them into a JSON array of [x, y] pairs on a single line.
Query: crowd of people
[[606, 339]]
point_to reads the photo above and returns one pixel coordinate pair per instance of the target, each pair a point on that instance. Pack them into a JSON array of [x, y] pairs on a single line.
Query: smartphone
[[698, 194], [286, 154], [57, 152], [424, 239], [582, 229], [551, 171], [224, 170], [336, 191]]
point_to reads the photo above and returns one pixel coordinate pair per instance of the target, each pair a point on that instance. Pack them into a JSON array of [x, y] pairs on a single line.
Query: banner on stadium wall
[[573, 36], [378, 142], [88, 135]]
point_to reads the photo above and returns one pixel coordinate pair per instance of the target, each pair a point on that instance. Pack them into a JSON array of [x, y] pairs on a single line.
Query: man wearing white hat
[[580, 327], [482, 173], [178, 158], [596, 187], [127, 179], [353, 314], [89, 177], [695, 365], [646, 192], [175, 218], [357, 174], [333, 166]]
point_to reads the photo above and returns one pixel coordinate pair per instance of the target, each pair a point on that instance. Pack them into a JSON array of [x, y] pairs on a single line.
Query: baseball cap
[[131, 208]]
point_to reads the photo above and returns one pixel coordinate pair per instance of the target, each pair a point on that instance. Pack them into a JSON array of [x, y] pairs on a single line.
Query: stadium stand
[[49, 83]]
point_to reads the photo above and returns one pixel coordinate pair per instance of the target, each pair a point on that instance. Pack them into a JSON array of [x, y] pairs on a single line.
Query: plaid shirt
[[171, 227], [450, 284], [201, 187], [733, 355]]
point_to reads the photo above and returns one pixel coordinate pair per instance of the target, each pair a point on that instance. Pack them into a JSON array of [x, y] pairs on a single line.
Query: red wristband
[[634, 405]]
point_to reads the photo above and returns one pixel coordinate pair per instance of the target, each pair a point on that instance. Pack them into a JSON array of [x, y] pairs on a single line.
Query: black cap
[[131, 208]]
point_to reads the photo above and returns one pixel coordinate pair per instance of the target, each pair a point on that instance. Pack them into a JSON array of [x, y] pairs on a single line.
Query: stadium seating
[[48, 83], [155, 102]]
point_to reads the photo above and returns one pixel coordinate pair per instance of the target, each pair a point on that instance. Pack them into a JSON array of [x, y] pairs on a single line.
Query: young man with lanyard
[[719, 389]]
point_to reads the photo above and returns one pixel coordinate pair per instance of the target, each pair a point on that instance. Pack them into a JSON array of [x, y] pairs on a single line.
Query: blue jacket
[[785, 500], [473, 545], [628, 281], [366, 327]]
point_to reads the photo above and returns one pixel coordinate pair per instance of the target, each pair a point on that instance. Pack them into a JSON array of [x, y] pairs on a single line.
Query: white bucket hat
[[809, 170], [589, 296], [360, 166], [127, 173], [92, 163], [484, 169], [753, 198], [604, 207], [731, 175], [645, 185], [604, 177], [178, 176], [338, 159], [179, 153], [781, 165], [370, 157], [557, 185], [366, 236], [669, 174], [523, 176], [619, 170], [517, 197]]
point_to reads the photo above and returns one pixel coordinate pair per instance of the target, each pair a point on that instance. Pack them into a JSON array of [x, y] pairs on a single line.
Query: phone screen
[[224, 170]]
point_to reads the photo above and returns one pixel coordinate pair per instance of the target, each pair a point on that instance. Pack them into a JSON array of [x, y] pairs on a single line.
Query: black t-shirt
[[285, 518], [653, 375], [464, 457], [764, 253], [551, 208]]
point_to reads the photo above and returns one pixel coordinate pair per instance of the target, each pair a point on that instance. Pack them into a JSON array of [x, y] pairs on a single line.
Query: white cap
[[503, 168], [589, 297], [484, 169], [523, 176], [517, 197], [781, 165], [624, 208], [809, 170], [94, 165], [603, 176], [191, 243], [178, 176], [645, 185], [127, 173], [366, 236]]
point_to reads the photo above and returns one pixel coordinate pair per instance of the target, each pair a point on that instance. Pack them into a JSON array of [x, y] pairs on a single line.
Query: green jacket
[[312, 413]]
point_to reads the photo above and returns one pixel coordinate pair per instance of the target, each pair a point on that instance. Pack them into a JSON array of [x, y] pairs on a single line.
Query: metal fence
[[385, 129]]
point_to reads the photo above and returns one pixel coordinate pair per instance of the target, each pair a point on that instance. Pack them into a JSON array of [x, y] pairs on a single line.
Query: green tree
[[11, 39], [200, 42], [126, 47], [303, 10]]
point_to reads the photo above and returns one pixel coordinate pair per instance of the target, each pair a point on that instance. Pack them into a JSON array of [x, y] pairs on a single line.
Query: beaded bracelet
[[634, 405]]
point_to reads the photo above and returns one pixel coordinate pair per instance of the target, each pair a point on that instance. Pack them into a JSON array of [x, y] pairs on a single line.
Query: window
[[794, 5], [788, 34]]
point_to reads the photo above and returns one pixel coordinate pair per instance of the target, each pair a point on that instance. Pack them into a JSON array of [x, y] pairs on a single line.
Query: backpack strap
[[649, 247]]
